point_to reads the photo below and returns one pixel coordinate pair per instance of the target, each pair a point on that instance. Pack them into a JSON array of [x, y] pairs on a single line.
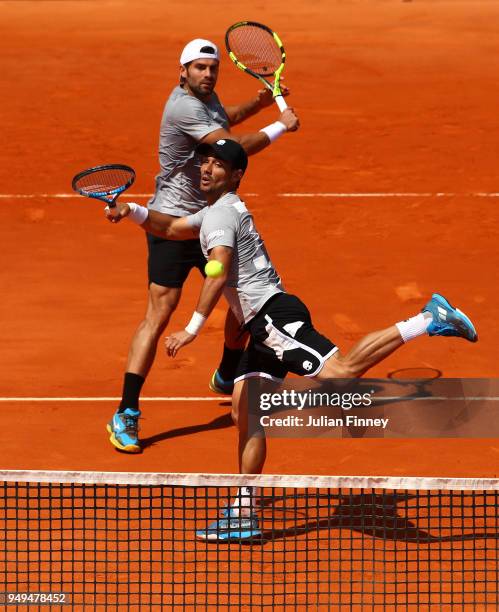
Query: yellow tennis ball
[[214, 268]]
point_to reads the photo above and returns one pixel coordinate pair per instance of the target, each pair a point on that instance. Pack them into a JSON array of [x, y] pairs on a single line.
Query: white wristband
[[138, 214], [195, 324], [274, 130]]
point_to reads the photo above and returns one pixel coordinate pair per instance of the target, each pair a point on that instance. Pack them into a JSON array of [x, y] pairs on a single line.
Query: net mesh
[[104, 181], [255, 48], [327, 543]]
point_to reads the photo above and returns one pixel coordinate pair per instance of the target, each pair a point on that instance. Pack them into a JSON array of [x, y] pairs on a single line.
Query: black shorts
[[284, 340], [170, 261]]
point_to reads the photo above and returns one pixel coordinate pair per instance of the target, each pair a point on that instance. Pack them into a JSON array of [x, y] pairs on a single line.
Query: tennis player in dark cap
[[282, 336]]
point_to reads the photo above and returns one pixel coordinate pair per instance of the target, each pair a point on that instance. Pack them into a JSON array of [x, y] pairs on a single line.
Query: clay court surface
[[394, 98]]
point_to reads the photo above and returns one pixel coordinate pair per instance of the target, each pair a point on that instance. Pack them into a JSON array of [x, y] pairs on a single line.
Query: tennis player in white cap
[[193, 114]]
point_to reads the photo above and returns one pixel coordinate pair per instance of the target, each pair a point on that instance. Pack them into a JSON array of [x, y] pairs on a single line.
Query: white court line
[[437, 398], [111, 399], [225, 398], [32, 196]]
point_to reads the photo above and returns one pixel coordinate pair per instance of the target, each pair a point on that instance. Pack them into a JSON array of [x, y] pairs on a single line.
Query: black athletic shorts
[[284, 340], [170, 261]]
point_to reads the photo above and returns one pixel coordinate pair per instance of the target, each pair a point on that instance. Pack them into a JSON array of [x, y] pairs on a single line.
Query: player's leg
[[438, 318], [256, 366], [240, 519], [169, 264], [124, 425], [288, 332], [252, 446], [369, 351], [235, 339], [161, 304]]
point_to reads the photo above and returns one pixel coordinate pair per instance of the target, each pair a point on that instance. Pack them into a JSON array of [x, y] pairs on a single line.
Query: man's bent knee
[[338, 366]]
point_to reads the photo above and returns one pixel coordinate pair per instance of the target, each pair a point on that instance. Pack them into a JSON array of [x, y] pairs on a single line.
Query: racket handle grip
[[281, 103], [112, 208]]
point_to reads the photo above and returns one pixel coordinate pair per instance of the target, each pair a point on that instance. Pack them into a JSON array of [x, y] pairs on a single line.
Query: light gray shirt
[[252, 279], [186, 120]]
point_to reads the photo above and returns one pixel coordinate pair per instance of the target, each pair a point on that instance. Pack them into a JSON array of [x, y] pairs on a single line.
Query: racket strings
[[256, 49], [104, 181]]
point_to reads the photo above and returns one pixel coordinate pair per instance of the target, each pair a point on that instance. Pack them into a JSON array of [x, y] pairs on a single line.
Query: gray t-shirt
[[252, 279], [186, 120]]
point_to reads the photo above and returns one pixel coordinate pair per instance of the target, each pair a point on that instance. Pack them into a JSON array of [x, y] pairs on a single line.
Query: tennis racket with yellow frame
[[256, 49]]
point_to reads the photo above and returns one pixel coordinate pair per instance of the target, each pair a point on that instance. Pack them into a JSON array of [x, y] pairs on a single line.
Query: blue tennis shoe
[[447, 320], [231, 527], [124, 430], [219, 385]]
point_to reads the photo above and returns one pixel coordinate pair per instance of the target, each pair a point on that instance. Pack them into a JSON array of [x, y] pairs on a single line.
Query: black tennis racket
[[256, 49], [104, 182]]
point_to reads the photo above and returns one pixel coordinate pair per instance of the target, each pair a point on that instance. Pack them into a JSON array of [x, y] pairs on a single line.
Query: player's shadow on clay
[[220, 422], [377, 516]]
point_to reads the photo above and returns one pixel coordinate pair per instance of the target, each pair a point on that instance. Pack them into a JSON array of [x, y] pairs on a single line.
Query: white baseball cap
[[199, 48]]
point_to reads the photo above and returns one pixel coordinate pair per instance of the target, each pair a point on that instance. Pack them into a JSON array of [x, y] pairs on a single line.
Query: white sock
[[415, 326], [244, 502]]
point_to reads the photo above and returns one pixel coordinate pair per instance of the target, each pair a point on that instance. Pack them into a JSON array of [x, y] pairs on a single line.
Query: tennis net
[[131, 541]]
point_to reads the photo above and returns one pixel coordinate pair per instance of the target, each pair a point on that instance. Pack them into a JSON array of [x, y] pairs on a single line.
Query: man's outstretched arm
[[154, 222]]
